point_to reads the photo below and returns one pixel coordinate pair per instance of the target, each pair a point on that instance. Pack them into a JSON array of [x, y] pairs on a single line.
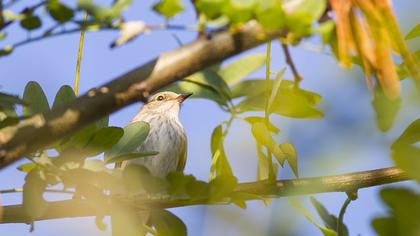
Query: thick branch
[[133, 86], [281, 188]]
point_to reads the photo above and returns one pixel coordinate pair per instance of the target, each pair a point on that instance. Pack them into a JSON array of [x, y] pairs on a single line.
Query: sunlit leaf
[[239, 11], [270, 14], [169, 8], [414, 33], [288, 153], [240, 68], [26, 167], [222, 186], [254, 119], [212, 9], [386, 109], [410, 135], [35, 99], [219, 163]]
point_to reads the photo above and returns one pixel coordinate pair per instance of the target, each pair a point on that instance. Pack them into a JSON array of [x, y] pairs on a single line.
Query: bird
[[166, 135], [168, 138]]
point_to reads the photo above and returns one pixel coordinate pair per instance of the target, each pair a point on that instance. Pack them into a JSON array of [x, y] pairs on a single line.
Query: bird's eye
[[160, 98]]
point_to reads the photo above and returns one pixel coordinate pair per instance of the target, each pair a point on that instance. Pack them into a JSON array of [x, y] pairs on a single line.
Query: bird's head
[[165, 102]]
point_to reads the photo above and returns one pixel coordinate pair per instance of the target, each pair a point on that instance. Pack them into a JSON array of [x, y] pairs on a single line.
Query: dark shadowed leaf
[[330, 221], [30, 22], [404, 213], [64, 95], [59, 11], [33, 189], [167, 224], [134, 135], [386, 109], [6, 50], [130, 156], [103, 140], [240, 68], [299, 207], [35, 99]]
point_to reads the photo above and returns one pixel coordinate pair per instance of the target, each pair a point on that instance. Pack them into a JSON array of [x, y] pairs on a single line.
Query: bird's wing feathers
[[182, 156]]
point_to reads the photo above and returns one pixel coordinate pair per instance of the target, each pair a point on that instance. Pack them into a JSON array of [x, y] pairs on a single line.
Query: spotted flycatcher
[[166, 135]]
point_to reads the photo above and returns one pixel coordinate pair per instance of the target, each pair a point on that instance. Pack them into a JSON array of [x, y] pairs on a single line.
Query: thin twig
[[291, 64], [340, 223]]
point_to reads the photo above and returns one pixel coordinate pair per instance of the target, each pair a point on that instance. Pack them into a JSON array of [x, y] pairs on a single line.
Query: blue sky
[[345, 140]]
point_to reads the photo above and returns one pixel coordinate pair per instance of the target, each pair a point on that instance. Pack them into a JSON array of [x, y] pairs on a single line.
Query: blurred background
[[346, 140]]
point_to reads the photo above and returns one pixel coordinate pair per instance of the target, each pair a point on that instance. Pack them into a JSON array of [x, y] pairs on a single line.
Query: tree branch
[[43, 129], [281, 188]]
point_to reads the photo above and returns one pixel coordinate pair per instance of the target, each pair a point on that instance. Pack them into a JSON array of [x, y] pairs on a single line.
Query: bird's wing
[[182, 156]]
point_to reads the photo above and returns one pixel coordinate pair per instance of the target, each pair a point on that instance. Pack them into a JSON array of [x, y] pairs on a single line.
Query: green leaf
[[299, 207], [414, 33], [127, 221], [326, 30], [33, 189], [35, 99], [240, 68], [212, 9], [167, 224], [386, 110], [130, 156], [288, 153], [263, 169], [253, 119], [134, 135], [178, 183], [103, 139], [411, 135], [270, 14], [210, 78], [239, 11], [330, 221], [30, 22], [407, 157], [222, 186], [2, 35], [219, 163], [59, 11], [64, 95], [6, 50], [26, 167], [199, 91], [404, 213], [169, 8], [198, 190], [104, 14], [8, 102], [275, 90], [290, 101]]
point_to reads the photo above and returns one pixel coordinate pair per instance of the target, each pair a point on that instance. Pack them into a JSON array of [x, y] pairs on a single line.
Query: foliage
[[360, 33]]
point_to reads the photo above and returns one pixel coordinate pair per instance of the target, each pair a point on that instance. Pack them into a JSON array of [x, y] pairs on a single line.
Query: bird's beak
[[182, 97]]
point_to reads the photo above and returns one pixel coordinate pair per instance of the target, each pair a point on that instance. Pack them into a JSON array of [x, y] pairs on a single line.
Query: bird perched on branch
[[166, 135]]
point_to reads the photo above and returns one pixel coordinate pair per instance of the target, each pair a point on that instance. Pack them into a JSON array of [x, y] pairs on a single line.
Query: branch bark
[[281, 188], [133, 86]]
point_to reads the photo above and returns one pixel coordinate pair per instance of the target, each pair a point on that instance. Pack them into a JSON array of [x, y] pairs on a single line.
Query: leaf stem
[[340, 223]]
